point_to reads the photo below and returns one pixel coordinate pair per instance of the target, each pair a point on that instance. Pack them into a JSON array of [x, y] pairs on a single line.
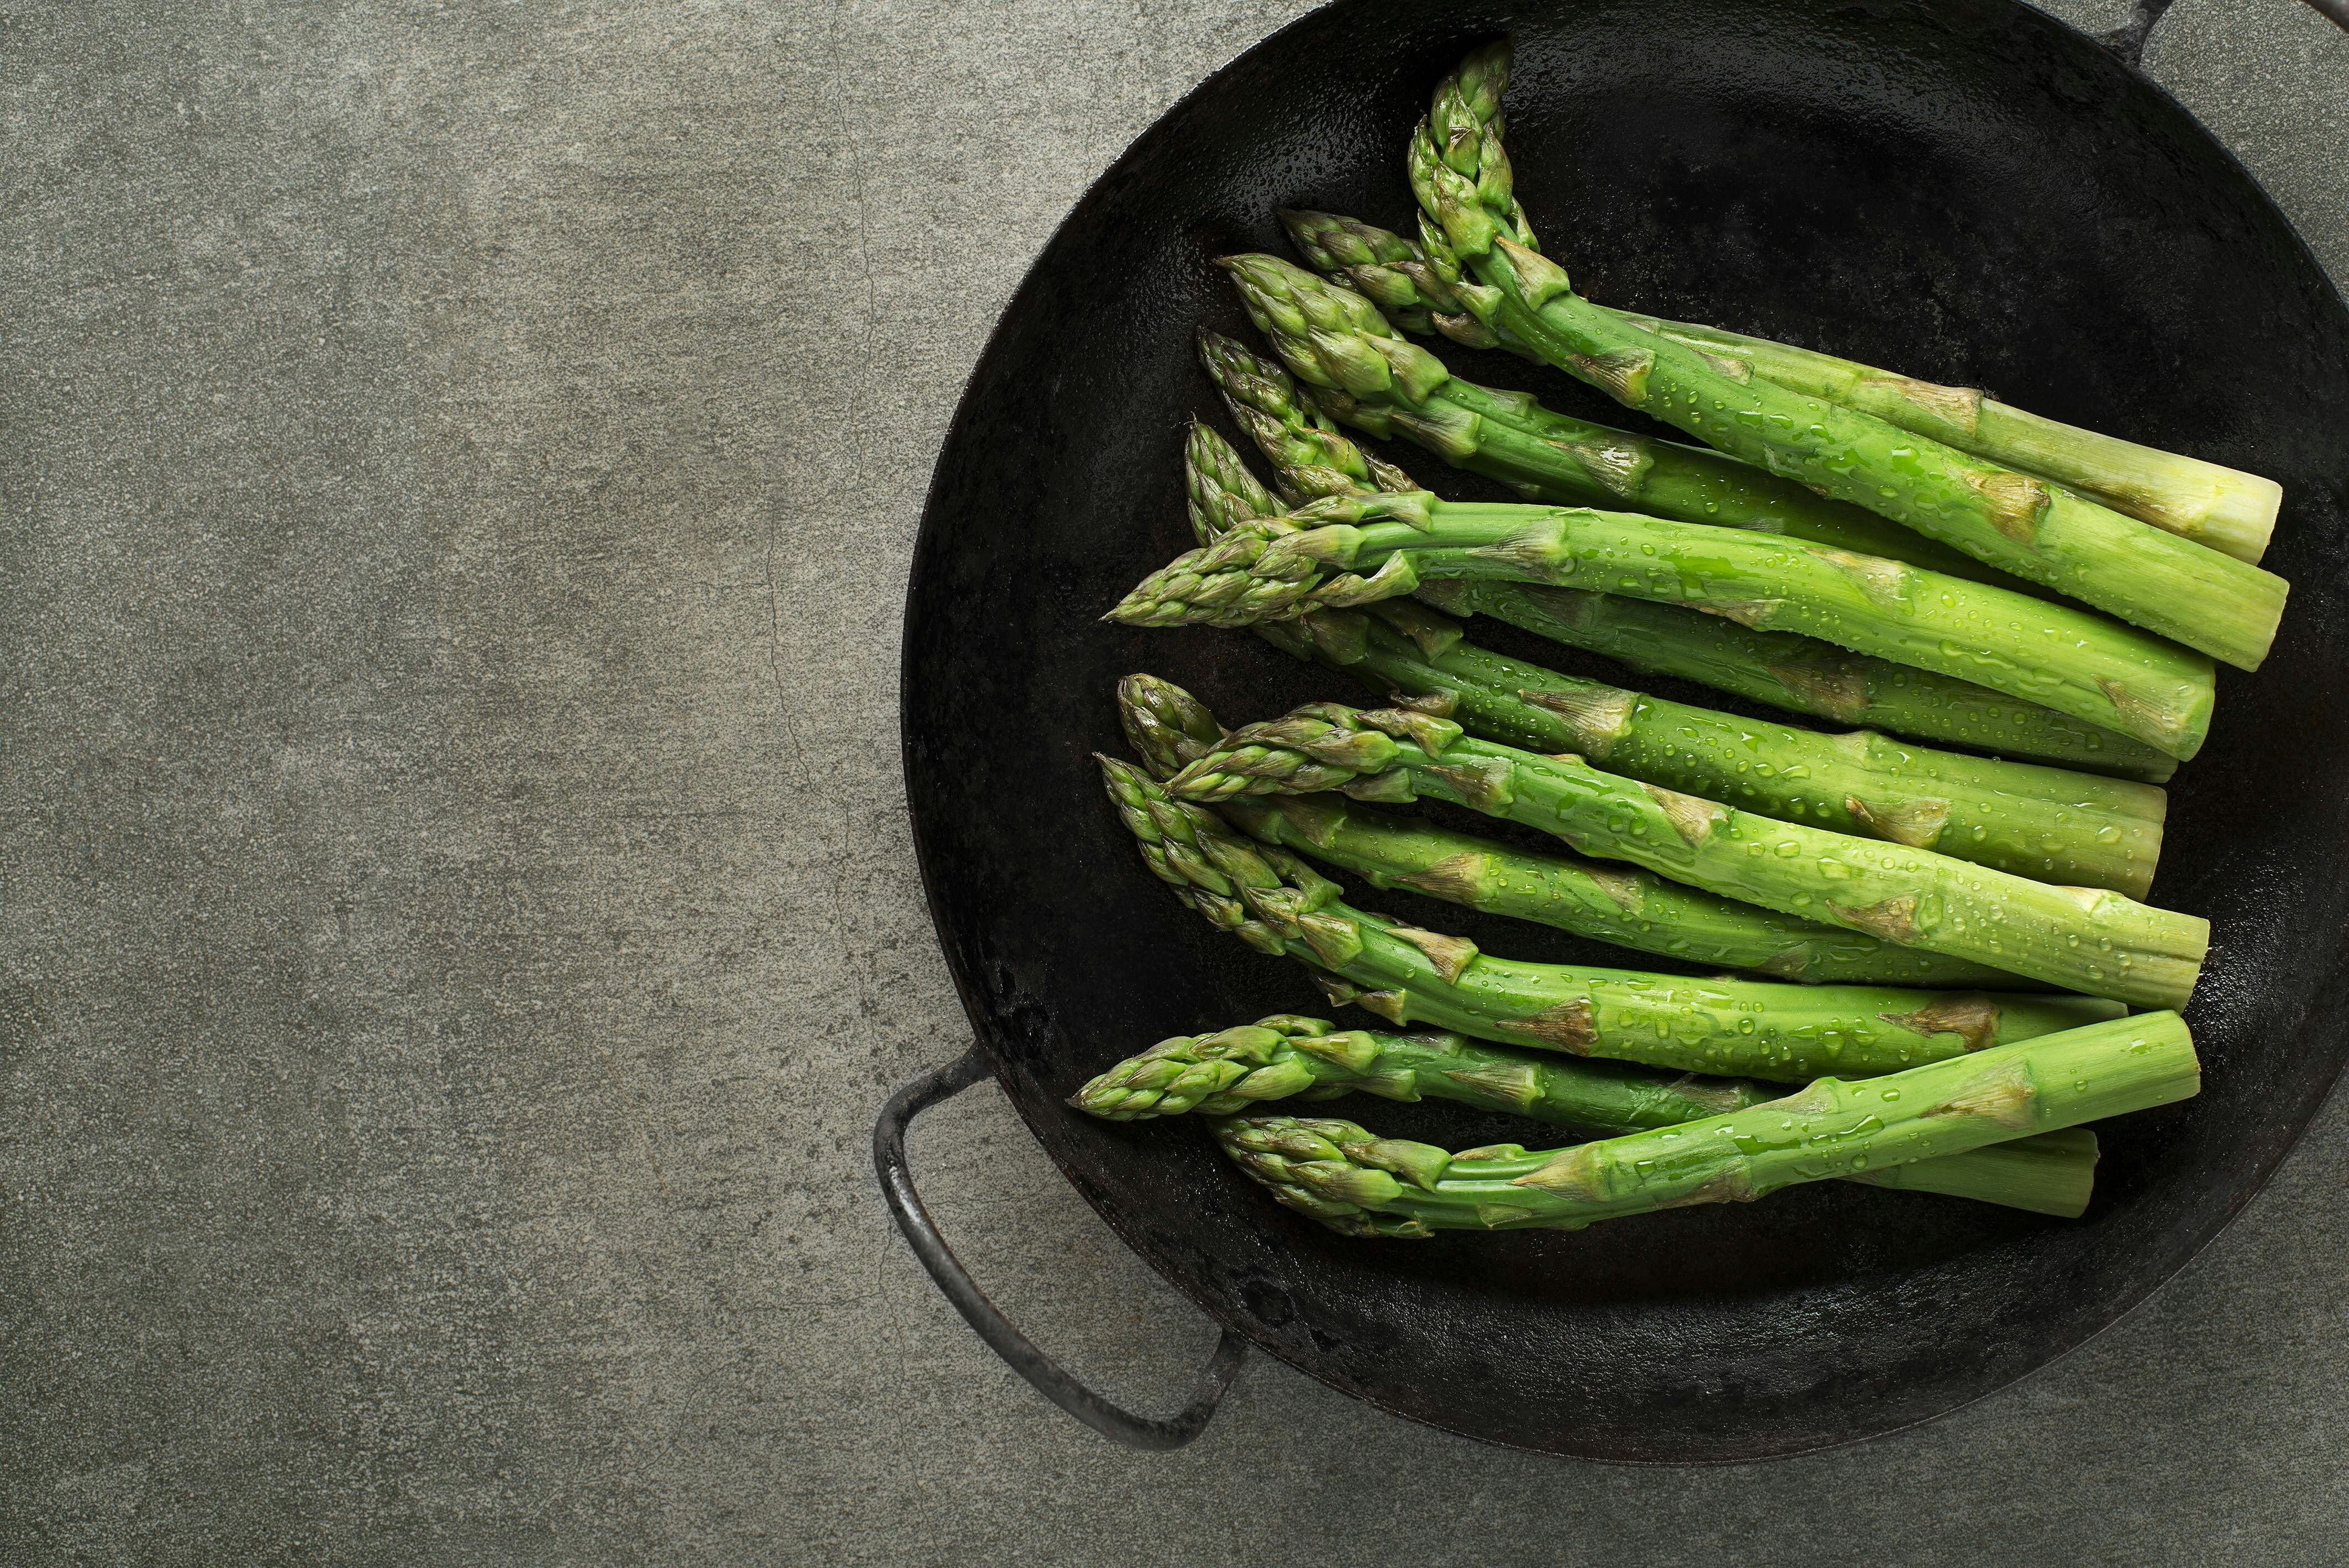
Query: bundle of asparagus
[[1276, 1058], [1406, 974], [2056, 826], [2007, 518], [1367, 375], [2096, 942], [1347, 1177], [1610, 903], [2222, 507], [1848, 544], [1780, 670]]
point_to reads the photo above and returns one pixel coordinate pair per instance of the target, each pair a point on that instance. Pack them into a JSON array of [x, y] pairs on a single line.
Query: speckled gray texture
[[458, 466]]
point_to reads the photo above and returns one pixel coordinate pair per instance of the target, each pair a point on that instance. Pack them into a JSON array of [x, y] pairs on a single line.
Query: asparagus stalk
[[1368, 375], [1311, 1059], [1744, 1028], [1779, 668], [1347, 1177], [2054, 825], [2224, 508], [2084, 939], [1802, 675], [1345, 551], [2051, 535], [1285, 1056], [1610, 903], [2040, 823]]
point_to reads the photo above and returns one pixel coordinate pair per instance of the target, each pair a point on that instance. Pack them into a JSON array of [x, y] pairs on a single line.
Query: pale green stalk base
[[2224, 508]]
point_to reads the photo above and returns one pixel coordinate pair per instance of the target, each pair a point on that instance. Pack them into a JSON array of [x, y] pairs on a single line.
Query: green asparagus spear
[[1344, 551], [1802, 675], [1274, 1058], [2084, 939], [2051, 535], [1361, 1184], [1747, 1028], [2043, 823], [2225, 509], [1338, 343], [1608, 902], [1779, 668], [2221, 507]]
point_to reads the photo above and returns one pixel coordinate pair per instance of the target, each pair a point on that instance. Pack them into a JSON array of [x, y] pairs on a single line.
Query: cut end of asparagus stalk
[[2229, 510]]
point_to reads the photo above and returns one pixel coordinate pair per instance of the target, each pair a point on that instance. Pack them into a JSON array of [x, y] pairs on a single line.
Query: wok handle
[[1051, 1379], [2128, 40]]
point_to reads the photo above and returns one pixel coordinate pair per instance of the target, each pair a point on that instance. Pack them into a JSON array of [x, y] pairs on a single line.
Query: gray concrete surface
[[456, 470]]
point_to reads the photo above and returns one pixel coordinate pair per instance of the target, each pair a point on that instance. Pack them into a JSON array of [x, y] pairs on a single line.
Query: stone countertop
[[458, 465]]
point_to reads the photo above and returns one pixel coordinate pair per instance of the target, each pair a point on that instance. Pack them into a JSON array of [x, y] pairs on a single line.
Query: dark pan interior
[[1963, 190]]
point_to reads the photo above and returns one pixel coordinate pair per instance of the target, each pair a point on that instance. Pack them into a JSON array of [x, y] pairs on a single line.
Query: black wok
[[1961, 189]]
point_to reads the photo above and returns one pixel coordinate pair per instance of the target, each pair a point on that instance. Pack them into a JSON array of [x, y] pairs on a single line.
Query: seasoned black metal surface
[[1962, 189]]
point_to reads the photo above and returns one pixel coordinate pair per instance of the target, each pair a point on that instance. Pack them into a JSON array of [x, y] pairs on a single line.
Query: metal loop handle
[[2129, 39], [1049, 1379]]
